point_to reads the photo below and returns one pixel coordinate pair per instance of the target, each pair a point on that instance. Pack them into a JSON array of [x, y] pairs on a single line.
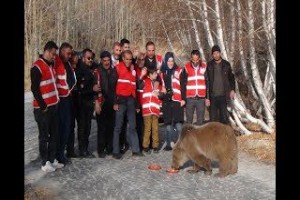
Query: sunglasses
[[89, 58], [141, 59]]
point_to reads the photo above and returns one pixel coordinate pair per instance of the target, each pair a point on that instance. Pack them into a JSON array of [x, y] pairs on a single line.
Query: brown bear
[[210, 141]]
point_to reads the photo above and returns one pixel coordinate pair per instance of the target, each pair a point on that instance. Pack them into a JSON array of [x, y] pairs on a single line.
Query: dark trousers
[[191, 105], [64, 126], [74, 116], [218, 109], [140, 128], [48, 132], [105, 124], [86, 108], [123, 142]]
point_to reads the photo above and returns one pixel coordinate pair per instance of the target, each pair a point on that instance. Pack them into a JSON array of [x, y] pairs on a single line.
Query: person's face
[[127, 58], [116, 52], [153, 76], [105, 62], [74, 60], [66, 54], [216, 55], [88, 58], [170, 62], [50, 54], [125, 47], [141, 61], [195, 59], [150, 51]]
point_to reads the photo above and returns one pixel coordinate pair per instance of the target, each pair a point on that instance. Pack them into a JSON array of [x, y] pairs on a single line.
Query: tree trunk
[[220, 30], [255, 72], [197, 34], [206, 24]]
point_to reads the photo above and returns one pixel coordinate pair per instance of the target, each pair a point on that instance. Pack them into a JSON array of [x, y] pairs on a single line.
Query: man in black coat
[[220, 86]]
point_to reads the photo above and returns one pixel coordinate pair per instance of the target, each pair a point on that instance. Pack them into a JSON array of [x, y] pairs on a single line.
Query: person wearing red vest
[[45, 103], [65, 82], [125, 104], [152, 60], [150, 109], [174, 80], [139, 68], [195, 88]]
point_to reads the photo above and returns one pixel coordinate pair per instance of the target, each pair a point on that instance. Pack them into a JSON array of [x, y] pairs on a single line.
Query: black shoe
[[90, 155], [123, 151], [72, 155], [64, 161], [155, 150], [137, 154], [117, 155], [102, 154], [147, 150], [82, 154], [168, 148]]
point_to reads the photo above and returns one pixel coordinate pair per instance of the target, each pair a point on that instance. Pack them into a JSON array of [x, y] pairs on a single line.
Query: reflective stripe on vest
[[47, 85], [196, 81], [150, 102]]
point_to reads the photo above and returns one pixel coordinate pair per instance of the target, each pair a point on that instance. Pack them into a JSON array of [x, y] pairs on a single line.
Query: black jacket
[[172, 111], [85, 82], [227, 76], [108, 81]]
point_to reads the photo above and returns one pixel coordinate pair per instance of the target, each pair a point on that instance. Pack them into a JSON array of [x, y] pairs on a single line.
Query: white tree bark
[[241, 52], [233, 31], [239, 108], [255, 72], [197, 34], [220, 31], [206, 24], [168, 38], [266, 24]]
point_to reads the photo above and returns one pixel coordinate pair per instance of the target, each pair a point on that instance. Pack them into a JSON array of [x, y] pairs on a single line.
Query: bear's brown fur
[[211, 141]]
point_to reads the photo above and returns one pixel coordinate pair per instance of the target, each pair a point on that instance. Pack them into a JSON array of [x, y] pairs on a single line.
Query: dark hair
[[105, 54], [65, 45], [86, 50], [165, 61], [215, 48], [124, 41], [151, 70], [149, 43], [50, 45], [195, 52]]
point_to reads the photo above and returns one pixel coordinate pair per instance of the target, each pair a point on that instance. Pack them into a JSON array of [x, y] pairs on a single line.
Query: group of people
[[127, 92]]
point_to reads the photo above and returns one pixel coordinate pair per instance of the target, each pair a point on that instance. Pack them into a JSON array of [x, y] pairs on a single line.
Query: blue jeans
[[127, 108], [173, 133]]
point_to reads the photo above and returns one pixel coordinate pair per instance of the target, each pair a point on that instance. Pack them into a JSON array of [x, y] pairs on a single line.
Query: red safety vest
[[47, 85], [150, 102], [175, 84], [61, 78], [195, 82], [126, 84], [96, 73]]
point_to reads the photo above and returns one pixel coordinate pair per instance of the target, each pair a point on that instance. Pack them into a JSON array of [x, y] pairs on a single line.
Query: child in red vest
[[150, 109]]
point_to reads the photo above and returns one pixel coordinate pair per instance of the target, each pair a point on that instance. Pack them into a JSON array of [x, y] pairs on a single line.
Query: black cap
[[104, 54], [215, 48]]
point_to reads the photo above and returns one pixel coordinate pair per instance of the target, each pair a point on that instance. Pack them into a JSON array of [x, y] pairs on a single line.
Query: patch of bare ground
[[260, 145]]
